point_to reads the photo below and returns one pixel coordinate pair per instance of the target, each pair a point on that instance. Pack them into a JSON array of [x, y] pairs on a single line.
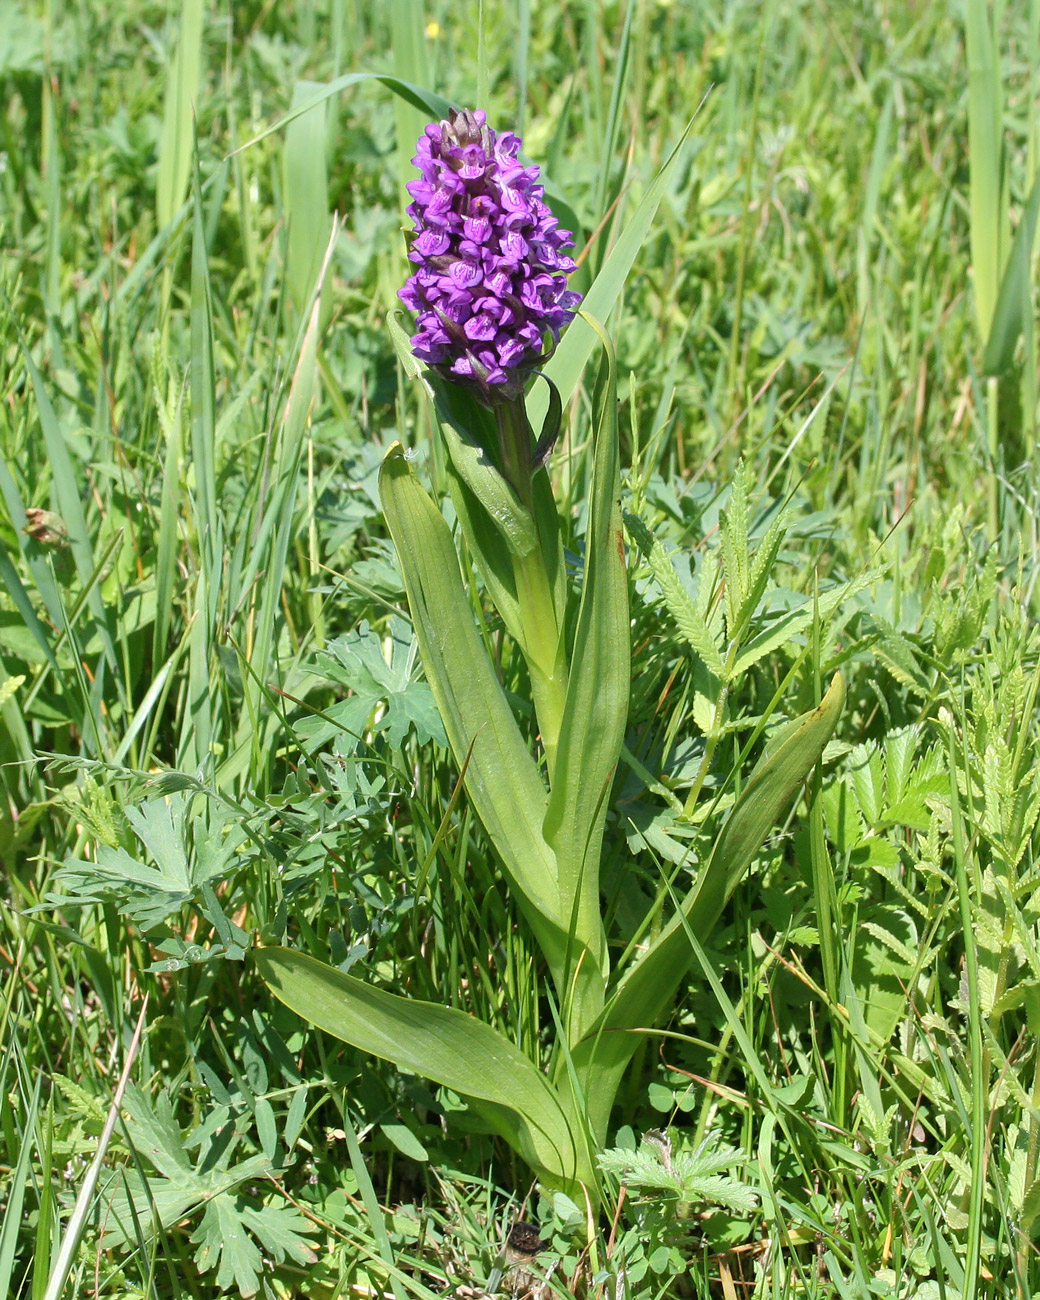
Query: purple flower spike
[[490, 290]]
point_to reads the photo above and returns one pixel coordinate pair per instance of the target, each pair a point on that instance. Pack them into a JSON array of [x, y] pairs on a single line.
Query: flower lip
[[490, 285]]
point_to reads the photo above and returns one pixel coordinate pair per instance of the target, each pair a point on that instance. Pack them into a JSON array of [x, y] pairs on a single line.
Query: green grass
[[198, 742]]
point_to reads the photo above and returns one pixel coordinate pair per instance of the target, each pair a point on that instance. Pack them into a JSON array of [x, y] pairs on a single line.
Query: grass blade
[[306, 196], [197, 735], [1014, 300], [576, 346], [178, 123], [988, 184], [77, 1221]]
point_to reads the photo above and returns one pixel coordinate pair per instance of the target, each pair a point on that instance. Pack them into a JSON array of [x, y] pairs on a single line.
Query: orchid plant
[[490, 295]]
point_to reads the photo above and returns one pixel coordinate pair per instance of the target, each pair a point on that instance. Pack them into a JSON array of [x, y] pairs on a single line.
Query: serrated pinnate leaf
[[687, 617], [646, 987], [733, 531], [758, 577], [795, 622]]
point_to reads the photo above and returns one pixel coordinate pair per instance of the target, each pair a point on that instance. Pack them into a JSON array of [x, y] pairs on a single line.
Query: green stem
[[1032, 1143], [712, 738], [978, 1059], [541, 639], [993, 447]]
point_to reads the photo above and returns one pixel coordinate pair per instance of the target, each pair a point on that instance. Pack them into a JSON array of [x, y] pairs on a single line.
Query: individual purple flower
[[490, 289]]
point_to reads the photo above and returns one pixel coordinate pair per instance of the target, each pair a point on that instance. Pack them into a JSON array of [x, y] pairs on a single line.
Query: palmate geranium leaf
[[166, 875], [358, 660], [231, 1235], [236, 1230], [443, 1044]]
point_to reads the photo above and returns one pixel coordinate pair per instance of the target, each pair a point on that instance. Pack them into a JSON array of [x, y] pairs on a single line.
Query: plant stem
[[541, 638], [993, 446]]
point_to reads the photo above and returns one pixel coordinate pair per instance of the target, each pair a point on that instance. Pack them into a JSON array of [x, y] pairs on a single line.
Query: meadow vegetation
[[215, 731]]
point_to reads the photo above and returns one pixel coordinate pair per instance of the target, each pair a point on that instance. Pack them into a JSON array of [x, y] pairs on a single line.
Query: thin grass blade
[[576, 346], [1014, 301], [176, 140]]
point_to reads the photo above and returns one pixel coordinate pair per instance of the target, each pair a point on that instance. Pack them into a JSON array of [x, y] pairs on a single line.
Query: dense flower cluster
[[491, 282]]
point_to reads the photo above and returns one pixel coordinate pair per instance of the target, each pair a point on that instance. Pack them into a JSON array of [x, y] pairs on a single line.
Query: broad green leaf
[[496, 525], [405, 1141], [647, 988], [467, 431], [440, 1043], [597, 706], [491, 552], [402, 343], [501, 777], [487, 541], [306, 196]]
